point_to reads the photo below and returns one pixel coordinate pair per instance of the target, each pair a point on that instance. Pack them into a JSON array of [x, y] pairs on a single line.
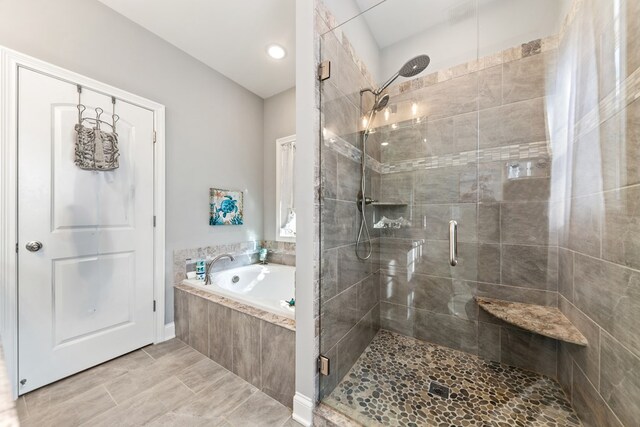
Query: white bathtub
[[263, 286]]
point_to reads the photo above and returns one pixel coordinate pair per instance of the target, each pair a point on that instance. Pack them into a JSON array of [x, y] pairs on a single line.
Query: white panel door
[[87, 295]]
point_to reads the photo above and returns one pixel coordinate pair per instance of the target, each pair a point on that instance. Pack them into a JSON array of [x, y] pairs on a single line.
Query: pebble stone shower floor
[[389, 385]]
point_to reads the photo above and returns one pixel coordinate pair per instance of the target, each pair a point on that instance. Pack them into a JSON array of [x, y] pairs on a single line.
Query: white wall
[[500, 24], [307, 132], [279, 121], [214, 126]]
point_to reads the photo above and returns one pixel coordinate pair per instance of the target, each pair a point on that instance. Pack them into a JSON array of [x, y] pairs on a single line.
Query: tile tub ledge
[[282, 321], [547, 321]]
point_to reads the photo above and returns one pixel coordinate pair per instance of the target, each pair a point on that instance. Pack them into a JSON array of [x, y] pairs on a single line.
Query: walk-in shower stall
[[480, 211]]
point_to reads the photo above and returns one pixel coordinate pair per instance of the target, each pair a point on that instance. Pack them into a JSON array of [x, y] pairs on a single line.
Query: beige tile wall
[[480, 117], [599, 219]]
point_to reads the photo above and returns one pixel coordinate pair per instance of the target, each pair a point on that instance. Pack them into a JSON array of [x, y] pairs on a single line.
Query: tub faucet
[[264, 252], [207, 277]]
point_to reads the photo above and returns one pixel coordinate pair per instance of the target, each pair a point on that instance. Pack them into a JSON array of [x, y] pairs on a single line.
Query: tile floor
[[169, 384], [389, 385]]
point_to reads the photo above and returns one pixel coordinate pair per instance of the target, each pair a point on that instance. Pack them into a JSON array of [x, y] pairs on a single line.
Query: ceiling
[[229, 36], [395, 20]]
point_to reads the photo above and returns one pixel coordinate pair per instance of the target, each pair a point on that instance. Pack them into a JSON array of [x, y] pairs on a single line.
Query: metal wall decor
[[96, 149]]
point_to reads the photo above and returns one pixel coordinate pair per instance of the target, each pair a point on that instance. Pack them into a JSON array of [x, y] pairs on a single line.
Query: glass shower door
[[519, 131], [421, 172]]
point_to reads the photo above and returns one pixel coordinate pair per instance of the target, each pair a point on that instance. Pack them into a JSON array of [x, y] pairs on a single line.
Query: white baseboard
[[303, 410], [169, 331]]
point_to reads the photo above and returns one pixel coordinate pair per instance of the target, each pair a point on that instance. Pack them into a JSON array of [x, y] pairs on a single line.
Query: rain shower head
[[415, 66], [411, 68]]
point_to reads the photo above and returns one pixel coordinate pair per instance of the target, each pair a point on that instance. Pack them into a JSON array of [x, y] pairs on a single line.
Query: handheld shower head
[[382, 102], [411, 68]]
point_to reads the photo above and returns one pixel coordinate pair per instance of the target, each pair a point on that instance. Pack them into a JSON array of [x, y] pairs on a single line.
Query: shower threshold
[[389, 386]]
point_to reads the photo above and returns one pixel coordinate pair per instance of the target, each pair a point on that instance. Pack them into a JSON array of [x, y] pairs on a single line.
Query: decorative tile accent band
[[507, 152], [623, 95], [348, 150]]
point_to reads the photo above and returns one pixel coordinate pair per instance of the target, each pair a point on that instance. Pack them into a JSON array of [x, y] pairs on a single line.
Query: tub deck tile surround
[[281, 321], [182, 387], [256, 345]]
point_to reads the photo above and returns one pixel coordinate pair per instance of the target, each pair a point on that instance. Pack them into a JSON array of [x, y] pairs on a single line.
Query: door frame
[[10, 62]]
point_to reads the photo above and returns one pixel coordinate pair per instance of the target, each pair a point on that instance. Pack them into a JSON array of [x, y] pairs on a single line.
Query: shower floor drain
[[439, 390]]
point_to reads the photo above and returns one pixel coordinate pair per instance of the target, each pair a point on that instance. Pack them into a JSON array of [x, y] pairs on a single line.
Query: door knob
[[33, 246]]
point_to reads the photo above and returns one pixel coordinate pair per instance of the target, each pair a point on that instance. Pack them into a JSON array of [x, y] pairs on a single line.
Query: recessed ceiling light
[[384, 144], [276, 51]]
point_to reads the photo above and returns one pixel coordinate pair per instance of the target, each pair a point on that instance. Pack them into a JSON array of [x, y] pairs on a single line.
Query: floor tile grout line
[[231, 411], [182, 382], [145, 351], [109, 393], [201, 392]]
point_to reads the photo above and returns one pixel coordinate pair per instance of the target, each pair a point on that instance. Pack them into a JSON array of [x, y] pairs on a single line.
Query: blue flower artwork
[[225, 207]]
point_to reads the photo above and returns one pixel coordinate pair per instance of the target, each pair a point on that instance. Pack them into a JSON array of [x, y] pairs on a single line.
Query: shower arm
[[386, 84]]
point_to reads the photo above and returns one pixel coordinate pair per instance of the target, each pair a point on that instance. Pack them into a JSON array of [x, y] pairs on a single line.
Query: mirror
[[285, 202]]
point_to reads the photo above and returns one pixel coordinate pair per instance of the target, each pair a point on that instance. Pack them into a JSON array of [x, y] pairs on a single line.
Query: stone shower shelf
[[547, 321]]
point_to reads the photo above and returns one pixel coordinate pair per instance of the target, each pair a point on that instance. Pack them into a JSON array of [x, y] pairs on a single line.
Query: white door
[[87, 295]]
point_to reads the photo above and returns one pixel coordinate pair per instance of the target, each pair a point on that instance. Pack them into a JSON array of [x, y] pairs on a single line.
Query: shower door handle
[[453, 243]]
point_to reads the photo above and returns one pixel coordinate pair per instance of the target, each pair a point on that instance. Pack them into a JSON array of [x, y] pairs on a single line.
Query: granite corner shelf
[[542, 320]]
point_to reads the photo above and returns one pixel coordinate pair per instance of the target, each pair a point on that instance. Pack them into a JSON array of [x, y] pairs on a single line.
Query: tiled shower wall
[[451, 161], [566, 237], [349, 316], [596, 177]]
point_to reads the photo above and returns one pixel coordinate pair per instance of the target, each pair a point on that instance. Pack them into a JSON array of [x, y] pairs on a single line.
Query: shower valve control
[[367, 201]]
